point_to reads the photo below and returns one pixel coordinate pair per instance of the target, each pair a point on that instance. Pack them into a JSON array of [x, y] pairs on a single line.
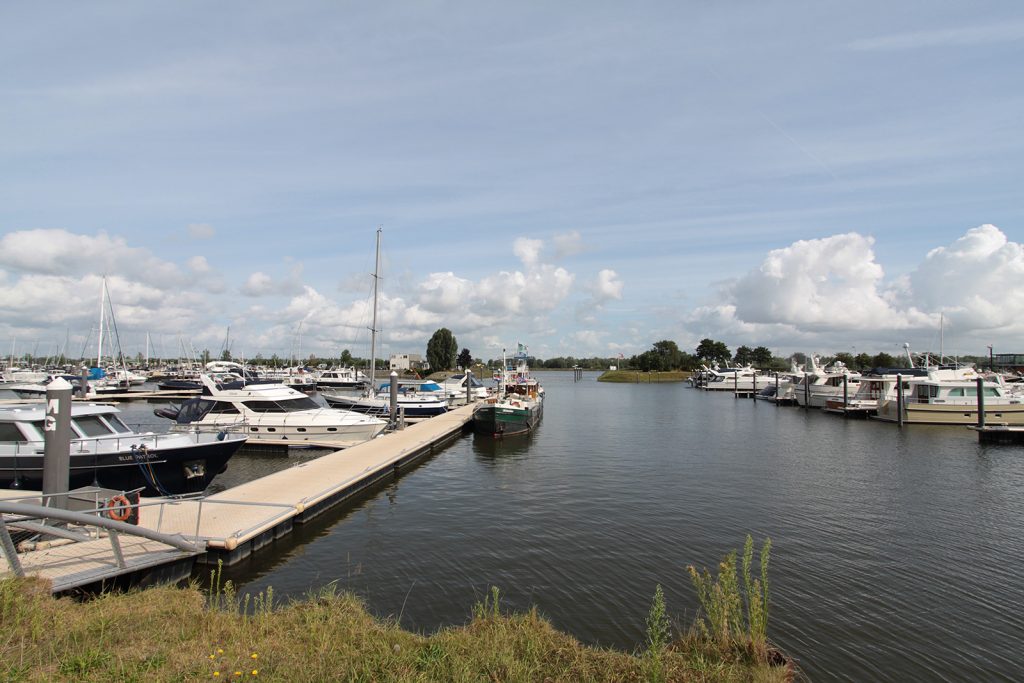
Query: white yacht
[[423, 399], [735, 379], [819, 385], [272, 413], [341, 378], [933, 395], [455, 389]]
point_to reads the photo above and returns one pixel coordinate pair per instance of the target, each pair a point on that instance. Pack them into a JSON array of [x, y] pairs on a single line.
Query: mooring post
[[776, 388], [393, 389], [83, 390], [753, 396], [846, 394], [57, 444], [735, 384], [981, 402], [899, 400], [807, 391], [469, 387]]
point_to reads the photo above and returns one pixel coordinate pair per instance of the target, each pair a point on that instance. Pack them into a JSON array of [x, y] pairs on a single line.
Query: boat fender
[[220, 436], [119, 508]]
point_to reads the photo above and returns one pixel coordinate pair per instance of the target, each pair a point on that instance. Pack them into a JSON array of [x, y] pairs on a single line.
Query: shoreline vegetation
[[184, 634], [639, 377]]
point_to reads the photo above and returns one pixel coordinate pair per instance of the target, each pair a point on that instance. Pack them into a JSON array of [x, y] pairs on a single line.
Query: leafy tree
[[225, 354], [744, 356], [346, 358], [883, 360], [762, 357], [206, 356], [711, 351], [862, 361], [465, 359], [442, 349]]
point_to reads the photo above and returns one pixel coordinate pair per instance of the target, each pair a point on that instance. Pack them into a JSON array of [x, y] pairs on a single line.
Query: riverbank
[[636, 377], [173, 634]]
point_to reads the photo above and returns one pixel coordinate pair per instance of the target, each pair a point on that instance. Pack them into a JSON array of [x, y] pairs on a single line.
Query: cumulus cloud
[[59, 252], [834, 290], [527, 250], [608, 286], [260, 284], [199, 264]]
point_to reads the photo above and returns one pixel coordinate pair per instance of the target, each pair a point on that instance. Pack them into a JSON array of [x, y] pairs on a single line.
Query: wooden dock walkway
[[239, 521]]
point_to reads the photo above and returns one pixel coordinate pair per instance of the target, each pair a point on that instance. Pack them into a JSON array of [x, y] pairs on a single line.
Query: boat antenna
[[373, 330]]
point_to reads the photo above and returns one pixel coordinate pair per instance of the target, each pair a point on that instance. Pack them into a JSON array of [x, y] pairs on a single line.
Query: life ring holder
[[119, 508]]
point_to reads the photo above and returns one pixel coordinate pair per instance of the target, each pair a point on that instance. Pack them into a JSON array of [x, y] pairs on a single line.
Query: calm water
[[897, 555]]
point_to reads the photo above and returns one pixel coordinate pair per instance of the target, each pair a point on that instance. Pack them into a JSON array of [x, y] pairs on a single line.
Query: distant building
[[407, 361]]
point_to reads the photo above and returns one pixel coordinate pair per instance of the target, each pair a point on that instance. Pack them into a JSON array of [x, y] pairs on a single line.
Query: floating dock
[[1000, 433], [239, 521]]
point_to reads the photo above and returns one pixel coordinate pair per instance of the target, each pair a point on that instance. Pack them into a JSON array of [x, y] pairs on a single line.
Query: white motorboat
[[455, 389], [423, 399], [745, 379], [818, 385], [272, 413], [341, 378], [933, 395], [105, 451]]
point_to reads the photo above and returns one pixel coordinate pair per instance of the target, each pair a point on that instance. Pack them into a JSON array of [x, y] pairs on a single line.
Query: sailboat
[[413, 403]]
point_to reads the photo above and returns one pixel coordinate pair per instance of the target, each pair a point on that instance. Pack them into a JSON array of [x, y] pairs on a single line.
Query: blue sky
[[586, 178]]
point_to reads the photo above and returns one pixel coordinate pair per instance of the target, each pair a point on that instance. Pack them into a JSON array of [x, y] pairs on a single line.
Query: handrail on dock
[[23, 513]]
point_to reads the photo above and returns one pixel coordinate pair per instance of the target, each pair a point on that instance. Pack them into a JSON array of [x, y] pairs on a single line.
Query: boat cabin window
[[9, 433], [287, 406], [223, 408], [117, 424], [90, 425]]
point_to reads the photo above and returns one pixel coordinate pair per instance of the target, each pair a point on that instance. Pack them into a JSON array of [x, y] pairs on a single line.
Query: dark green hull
[[501, 420]]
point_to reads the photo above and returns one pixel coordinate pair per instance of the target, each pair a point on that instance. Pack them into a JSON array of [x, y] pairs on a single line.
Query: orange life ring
[[119, 508]]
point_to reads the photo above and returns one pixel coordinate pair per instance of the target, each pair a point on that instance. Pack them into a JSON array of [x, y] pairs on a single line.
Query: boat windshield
[[9, 433], [285, 406], [118, 424], [90, 425]]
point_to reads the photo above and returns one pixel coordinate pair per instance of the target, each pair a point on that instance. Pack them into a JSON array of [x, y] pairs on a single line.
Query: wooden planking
[[244, 512], [69, 565], [241, 520]]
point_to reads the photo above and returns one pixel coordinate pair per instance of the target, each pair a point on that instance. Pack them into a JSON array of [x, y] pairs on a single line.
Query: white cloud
[[199, 264], [833, 291], [258, 284], [261, 284], [201, 231], [445, 292], [608, 286], [527, 250], [56, 251]]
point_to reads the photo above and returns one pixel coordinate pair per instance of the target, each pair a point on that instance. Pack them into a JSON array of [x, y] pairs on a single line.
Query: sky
[[585, 178]]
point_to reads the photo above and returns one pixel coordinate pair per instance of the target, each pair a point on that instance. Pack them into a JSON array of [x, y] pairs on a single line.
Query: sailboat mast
[[103, 307], [940, 338], [373, 330]]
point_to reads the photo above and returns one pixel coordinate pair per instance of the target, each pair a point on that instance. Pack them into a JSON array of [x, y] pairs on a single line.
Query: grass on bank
[[182, 634], [637, 377]]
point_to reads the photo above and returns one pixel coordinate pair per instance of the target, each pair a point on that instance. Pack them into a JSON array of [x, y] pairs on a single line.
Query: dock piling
[[899, 400], [981, 403], [57, 443]]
